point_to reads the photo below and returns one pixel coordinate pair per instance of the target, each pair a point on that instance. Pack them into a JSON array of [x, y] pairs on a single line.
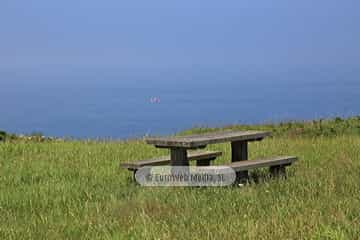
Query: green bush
[[2, 135]]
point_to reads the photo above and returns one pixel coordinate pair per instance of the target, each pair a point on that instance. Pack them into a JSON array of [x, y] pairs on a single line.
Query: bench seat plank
[[268, 162], [165, 160]]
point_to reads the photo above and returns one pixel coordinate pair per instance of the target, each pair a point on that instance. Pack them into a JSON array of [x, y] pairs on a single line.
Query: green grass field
[[71, 189]]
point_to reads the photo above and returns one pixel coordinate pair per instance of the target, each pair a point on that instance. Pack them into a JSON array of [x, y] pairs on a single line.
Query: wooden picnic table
[[179, 145]]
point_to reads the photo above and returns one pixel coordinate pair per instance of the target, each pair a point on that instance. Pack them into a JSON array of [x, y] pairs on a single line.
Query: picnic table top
[[201, 140]]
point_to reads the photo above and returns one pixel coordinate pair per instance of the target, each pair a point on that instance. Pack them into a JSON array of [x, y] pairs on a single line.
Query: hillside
[[74, 189]]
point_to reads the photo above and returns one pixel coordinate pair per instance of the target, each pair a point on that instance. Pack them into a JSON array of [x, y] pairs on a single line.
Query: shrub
[[2, 135]]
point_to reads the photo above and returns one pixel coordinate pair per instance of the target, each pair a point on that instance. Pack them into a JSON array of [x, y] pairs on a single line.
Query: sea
[[132, 103]]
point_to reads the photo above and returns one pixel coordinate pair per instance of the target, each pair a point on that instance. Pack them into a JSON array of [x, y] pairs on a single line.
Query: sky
[[46, 35]]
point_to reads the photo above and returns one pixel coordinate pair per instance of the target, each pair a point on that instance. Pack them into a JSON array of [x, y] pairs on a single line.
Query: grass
[[75, 190]]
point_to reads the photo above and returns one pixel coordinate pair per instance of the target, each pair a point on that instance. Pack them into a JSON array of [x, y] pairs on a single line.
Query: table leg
[[178, 157], [239, 152]]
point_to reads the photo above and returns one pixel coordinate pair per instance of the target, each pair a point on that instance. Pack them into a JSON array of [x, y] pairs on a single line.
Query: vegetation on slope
[[75, 190]]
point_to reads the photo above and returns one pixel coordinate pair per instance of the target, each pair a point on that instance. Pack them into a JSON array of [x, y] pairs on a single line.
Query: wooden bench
[[277, 164], [202, 158]]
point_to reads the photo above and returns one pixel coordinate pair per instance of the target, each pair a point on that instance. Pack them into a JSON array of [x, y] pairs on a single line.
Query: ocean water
[[114, 104]]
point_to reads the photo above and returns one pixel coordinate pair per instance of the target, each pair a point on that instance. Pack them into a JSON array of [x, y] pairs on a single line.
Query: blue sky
[[43, 34]]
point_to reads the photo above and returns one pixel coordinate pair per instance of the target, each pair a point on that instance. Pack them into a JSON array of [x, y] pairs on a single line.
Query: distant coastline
[[318, 127]]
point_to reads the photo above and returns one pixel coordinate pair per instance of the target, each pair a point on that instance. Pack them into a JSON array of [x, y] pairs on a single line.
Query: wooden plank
[[204, 162], [251, 164], [178, 157], [239, 152], [201, 140], [165, 160]]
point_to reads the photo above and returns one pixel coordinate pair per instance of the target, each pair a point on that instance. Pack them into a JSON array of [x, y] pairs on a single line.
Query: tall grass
[[75, 190]]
